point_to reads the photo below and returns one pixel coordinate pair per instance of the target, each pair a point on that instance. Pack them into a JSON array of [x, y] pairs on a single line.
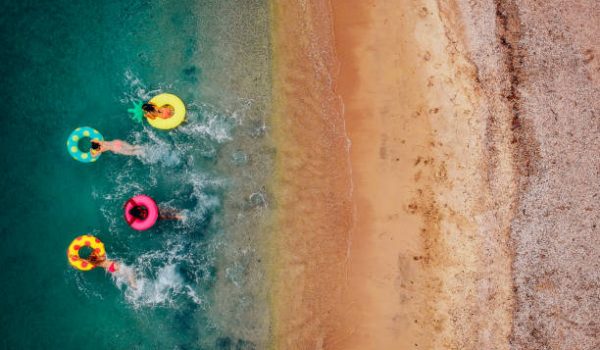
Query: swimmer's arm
[[149, 115]]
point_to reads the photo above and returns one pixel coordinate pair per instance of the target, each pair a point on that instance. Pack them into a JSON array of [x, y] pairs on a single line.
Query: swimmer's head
[[139, 212], [148, 107], [95, 259], [95, 145]]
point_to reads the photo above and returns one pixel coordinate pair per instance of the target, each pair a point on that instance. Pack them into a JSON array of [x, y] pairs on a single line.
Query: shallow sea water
[[201, 282]]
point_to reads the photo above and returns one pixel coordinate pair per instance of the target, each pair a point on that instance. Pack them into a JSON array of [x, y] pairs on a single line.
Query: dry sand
[[539, 61], [466, 214]]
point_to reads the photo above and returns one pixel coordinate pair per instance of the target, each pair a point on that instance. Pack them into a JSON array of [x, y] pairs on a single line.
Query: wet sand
[[312, 184]]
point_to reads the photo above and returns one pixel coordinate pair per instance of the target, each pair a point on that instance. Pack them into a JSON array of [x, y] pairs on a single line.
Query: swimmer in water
[[101, 261], [140, 212], [151, 111], [116, 146], [111, 266]]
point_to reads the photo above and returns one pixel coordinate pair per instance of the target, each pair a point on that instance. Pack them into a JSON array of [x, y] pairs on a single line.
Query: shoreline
[[311, 185], [399, 234]]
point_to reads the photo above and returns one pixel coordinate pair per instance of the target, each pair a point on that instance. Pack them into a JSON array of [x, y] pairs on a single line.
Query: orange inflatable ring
[[73, 252]]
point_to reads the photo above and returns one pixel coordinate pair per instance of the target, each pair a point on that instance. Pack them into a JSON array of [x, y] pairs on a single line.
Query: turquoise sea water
[[200, 282]]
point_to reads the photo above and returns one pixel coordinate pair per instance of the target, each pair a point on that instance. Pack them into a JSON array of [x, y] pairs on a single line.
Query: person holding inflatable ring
[[117, 147], [152, 111], [141, 213], [164, 111], [74, 147], [112, 267], [97, 258]]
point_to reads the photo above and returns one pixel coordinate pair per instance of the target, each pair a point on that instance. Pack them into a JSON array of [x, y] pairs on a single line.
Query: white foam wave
[[204, 202], [144, 285], [158, 150], [217, 125]]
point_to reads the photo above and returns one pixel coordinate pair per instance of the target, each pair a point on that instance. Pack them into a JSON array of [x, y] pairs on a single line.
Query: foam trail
[[204, 203], [158, 150], [176, 274], [162, 288]]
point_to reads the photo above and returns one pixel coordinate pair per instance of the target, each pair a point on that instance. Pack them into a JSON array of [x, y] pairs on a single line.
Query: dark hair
[[95, 145], [148, 107], [95, 259], [139, 212]]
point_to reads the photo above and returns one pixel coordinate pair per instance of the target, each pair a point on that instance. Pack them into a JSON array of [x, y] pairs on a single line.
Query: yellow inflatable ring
[[73, 252], [179, 111]]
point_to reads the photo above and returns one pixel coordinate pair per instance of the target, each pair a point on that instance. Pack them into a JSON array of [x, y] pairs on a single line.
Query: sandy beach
[[312, 181], [418, 256], [409, 269], [424, 234]]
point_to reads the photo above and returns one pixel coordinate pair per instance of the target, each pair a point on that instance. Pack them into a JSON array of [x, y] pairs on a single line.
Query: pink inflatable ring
[[145, 203]]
